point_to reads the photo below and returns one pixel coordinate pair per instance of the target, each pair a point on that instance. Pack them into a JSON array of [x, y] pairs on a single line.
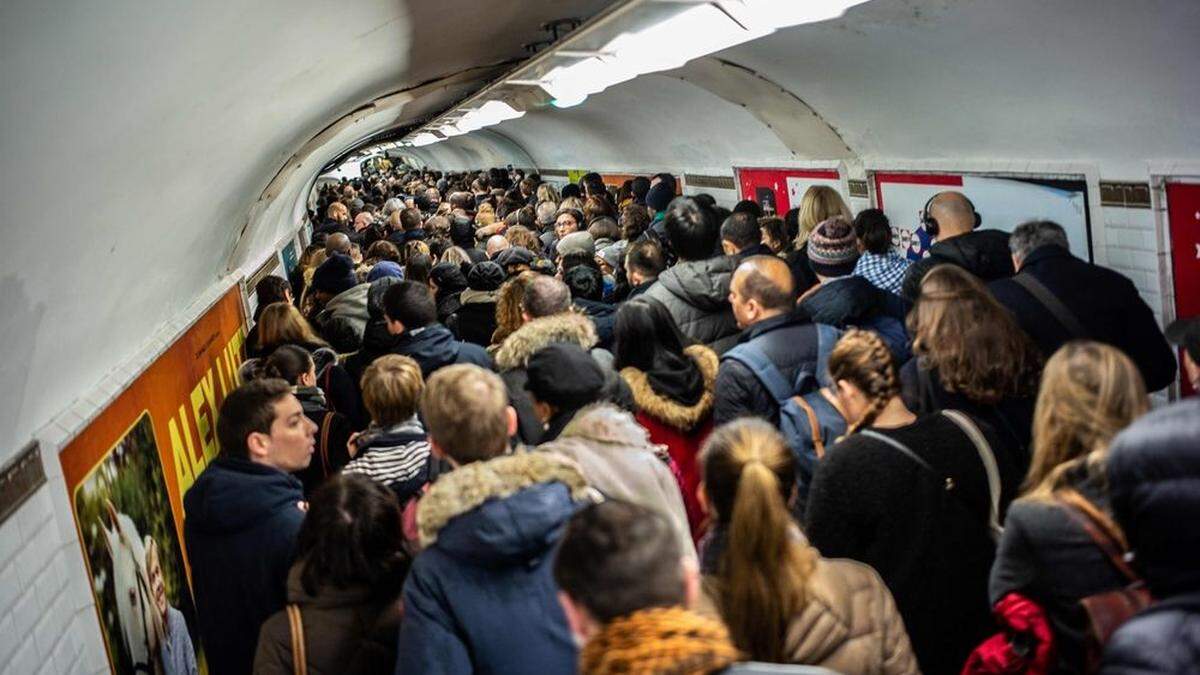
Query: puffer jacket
[[617, 459], [513, 356], [344, 318], [346, 630], [983, 253], [682, 428], [849, 625], [1154, 483], [696, 293], [376, 341], [481, 595]]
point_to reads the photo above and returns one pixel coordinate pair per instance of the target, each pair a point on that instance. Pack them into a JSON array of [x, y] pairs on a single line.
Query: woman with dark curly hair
[[970, 355]]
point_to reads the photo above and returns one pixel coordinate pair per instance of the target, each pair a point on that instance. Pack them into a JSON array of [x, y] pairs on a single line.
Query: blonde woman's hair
[[281, 323], [820, 203], [547, 193], [763, 573], [456, 255], [391, 389], [863, 359], [1089, 392]]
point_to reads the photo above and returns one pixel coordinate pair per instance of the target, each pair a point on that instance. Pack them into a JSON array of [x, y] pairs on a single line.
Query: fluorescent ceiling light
[[424, 138]]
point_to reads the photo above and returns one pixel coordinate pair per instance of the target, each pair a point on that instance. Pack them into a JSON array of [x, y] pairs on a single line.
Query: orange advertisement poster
[[127, 472]]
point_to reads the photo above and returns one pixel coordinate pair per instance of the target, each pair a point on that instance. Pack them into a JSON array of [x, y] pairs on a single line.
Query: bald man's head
[[337, 243], [495, 244], [953, 212], [762, 287]]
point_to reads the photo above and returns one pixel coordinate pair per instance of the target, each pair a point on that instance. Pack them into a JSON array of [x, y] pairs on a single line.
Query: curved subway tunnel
[[154, 156]]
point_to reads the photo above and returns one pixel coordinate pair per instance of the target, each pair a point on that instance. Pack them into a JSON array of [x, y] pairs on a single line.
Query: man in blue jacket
[[481, 596], [242, 518], [411, 313]]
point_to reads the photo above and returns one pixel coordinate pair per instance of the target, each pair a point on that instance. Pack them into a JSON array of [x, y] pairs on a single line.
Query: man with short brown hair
[[483, 582]]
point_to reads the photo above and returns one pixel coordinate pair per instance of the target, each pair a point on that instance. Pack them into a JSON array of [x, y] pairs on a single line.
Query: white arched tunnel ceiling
[[138, 139]]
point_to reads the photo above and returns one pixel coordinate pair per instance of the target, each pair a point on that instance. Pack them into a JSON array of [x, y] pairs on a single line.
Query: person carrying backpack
[[776, 367]]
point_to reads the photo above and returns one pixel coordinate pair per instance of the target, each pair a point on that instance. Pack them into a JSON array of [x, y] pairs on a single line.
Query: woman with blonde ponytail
[[782, 602], [1089, 392], [915, 498]]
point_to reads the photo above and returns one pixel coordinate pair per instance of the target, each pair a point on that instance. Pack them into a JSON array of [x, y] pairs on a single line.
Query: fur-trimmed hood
[[503, 507], [571, 327], [667, 411]]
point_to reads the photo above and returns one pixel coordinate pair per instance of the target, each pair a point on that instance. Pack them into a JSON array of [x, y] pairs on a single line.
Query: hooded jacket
[[851, 301], [983, 253], [434, 346], [1106, 303], [481, 595], [344, 318], [513, 357], [682, 428], [1154, 481], [696, 293], [346, 630], [240, 530], [617, 458]]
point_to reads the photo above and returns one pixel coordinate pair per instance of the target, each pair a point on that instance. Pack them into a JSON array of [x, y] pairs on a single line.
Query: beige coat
[[617, 459], [850, 624]]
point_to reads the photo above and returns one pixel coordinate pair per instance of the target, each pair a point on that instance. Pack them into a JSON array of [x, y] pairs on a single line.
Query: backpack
[[799, 421]]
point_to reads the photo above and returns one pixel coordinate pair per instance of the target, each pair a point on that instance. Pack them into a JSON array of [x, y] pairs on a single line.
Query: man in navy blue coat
[[481, 596], [242, 517]]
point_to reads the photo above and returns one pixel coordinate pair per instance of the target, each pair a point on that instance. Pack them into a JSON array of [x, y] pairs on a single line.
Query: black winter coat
[[1012, 418], [1154, 483], [802, 271], [1105, 302], [851, 301], [475, 319], [870, 503], [1047, 556], [603, 315], [333, 431], [983, 253], [790, 341], [240, 530]]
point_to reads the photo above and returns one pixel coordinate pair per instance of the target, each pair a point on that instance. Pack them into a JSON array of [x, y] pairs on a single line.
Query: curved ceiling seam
[[394, 99]]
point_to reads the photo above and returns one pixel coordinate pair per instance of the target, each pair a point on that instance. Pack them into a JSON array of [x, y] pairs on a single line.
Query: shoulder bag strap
[[1087, 516], [326, 381], [818, 444], [299, 655], [989, 465], [326, 423], [947, 482], [751, 356], [1051, 302]]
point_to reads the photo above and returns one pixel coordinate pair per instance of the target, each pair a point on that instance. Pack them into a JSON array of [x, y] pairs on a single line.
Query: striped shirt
[[397, 457]]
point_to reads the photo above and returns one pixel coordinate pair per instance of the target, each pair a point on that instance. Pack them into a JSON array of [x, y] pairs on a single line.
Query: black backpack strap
[[1061, 312]]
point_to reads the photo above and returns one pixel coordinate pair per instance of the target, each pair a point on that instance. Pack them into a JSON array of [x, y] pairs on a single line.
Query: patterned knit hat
[[832, 249]]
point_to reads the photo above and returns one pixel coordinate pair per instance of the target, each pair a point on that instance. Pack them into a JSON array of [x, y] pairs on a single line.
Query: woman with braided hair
[[916, 497], [783, 602]]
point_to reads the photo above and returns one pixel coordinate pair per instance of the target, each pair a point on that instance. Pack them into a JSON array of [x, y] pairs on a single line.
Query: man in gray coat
[[696, 290]]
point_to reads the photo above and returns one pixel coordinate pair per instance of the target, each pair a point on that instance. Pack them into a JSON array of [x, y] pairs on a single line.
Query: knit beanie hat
[[385, 268], [485, 276], [335, 275], [577, 242], [565, 376], [660, 196], [832, 248]]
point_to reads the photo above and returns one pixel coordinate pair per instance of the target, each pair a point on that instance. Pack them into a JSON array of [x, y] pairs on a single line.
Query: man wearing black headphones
[[950, 218]]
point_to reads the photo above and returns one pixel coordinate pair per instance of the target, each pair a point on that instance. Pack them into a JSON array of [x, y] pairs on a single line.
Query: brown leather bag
[[299, 654], [1105, 611]]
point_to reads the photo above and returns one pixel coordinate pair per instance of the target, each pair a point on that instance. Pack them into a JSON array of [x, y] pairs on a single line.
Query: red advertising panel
[[1183, 211], [779, 190]]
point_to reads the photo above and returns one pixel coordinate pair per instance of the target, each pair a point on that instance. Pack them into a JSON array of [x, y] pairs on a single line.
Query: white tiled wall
[[1131, 243]]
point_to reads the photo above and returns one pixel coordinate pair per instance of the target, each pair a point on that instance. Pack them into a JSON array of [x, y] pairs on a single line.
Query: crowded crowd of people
[[487, 425]]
